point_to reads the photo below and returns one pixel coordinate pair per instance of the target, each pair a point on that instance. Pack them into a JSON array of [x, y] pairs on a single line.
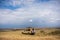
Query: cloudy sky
[[25, 13]]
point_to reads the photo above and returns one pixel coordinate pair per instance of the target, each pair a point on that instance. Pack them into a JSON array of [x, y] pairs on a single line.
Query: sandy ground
[[17, 35]]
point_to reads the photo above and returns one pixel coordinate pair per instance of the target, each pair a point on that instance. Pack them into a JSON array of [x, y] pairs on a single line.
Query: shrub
[[57, 32]]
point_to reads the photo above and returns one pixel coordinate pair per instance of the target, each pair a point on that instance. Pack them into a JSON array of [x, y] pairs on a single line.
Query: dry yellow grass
[[17, 35]]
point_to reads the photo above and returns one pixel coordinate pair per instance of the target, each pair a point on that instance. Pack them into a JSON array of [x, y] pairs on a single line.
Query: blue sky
[[25, 13]]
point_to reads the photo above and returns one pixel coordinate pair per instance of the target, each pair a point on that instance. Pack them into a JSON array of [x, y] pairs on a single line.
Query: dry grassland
[[42, 34]]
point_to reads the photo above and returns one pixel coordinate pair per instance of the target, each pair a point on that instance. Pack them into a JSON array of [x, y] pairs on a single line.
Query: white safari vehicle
[[29, 30]]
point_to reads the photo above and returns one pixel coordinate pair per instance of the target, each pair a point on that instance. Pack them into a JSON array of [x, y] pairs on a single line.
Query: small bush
[[57, 32], [42, 31]]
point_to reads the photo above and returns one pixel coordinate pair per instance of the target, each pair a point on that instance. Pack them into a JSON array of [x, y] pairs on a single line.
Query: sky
[[29, 13]]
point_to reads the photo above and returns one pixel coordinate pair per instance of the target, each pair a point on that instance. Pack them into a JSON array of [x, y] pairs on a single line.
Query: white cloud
[[15, 2], [52, 20], [7, 16], [58, 19], [30, 20], [20, 2], [46, 11]]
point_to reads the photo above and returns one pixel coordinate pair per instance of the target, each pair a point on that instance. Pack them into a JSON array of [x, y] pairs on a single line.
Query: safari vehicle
[[29, 30]]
